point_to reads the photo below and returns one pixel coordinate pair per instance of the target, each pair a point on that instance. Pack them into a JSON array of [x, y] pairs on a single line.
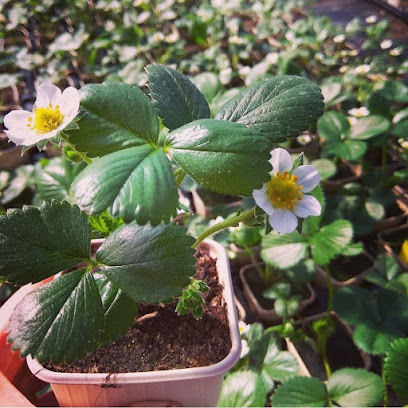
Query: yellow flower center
[[283, 192], [45, 119]]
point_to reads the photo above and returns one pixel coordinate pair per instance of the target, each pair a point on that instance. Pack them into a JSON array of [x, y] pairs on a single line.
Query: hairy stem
[[384, 380], [222, 225], [254, 262]]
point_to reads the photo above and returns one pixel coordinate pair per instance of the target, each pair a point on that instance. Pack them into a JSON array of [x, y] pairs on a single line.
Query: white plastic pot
[[191, 387]]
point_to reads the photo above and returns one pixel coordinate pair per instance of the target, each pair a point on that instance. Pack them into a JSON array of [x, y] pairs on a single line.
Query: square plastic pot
[[191, 387]]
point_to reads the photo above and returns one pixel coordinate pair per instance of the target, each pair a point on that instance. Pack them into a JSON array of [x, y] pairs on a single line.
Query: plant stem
[[330, 291], [325, 359], [179, 175], [384, 157], [82, 155], [222, 225], [384, 380], [256, 265]]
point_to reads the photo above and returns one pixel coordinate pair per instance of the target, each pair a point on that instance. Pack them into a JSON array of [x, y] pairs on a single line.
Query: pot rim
[[217, 251]]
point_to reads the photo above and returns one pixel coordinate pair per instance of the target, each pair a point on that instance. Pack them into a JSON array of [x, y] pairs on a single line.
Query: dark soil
[[345, 268], [340, 349], [257, 285], [161, 340]]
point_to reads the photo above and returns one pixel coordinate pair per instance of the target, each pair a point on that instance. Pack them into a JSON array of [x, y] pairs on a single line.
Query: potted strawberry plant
[[133, 170]]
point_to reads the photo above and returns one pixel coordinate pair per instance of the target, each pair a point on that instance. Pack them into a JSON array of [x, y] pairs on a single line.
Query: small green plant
[[132, 167]]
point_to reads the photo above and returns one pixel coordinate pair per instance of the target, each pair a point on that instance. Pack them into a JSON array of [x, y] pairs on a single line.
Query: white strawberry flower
[[53, 111], [359, 112], [283, 198]]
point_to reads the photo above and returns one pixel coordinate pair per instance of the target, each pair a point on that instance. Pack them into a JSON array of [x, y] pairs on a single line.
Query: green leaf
[[37, 243], [208, 84], [300, 392], [303, 272], [334, 127], [368, 127], [176, 98], [384, 271], [222, 156], [379, 317], [135, 183], [396, 367], [330, 241], [113, 116], [20, 180], [279, 289], [242, 389], [54, 179], [400, 129], [279, 107], [279, 367], [47, 320], [326, 168], [119, 309], [149, 264], [355, 387], [330, 91], [283, 251], [287, 307]]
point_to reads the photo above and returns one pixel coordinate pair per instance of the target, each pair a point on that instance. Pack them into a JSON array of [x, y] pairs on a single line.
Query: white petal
[[69, 102], [308, 205], [25, 137], [17, 119], [47, 93], [283, 221], [262, 200], [308, 177], [280, 160]]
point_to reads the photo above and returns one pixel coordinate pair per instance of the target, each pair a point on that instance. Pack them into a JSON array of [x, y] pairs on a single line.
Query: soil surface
[[162, 340]]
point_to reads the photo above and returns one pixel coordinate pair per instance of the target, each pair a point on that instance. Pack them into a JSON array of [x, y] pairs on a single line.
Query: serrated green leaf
[[384, 271], [134, 183], [47, 320], [300, 392], [351, 387], [379, 317], [368, 127], [222, 156], [149, 264], [53, 181], [113, 116], [176, 98], [330, 241], [279, 107], [303, 272], [396, 367], [283, 251], [242, 389], [279, 367], [37, 243], [119, 309]]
